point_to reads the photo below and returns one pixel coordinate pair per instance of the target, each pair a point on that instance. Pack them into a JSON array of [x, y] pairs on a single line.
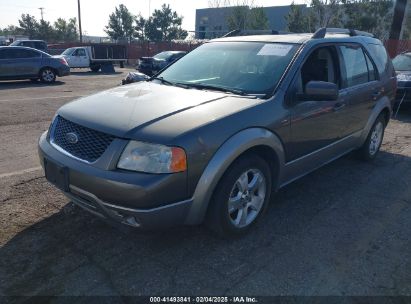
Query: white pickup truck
[[95, 56]]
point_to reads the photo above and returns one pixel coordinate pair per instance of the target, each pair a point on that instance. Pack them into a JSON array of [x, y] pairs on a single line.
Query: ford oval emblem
[[72, 138]]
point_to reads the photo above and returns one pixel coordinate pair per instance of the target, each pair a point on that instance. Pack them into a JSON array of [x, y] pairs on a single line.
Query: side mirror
[[321, 90]]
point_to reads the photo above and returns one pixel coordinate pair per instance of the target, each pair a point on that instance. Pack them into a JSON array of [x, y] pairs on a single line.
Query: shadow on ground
[[343, 230], [20, 84]]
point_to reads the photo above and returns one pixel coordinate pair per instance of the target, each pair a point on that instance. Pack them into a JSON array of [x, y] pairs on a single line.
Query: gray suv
[[211, 137]]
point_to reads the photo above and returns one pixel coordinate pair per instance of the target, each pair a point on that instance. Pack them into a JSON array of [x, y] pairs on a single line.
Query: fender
[[382, 103], [222, 159]]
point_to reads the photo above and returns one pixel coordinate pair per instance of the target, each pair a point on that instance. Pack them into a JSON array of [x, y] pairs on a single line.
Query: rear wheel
[[241, 197], [372, 144], [47, 75], [95, 68]]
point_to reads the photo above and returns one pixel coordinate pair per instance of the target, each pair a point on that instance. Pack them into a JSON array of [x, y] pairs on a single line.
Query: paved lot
[[343, 230]]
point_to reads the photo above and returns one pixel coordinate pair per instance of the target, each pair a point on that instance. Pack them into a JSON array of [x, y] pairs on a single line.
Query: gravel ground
[[342, 230]]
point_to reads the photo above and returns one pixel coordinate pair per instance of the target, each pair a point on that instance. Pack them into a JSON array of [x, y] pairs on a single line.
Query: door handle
[[338, 106]]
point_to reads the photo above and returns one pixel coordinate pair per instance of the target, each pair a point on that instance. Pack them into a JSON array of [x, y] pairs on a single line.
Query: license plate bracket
[[57, 175]]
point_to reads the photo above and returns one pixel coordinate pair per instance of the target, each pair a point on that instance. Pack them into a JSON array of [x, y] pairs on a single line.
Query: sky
[[94, 13]]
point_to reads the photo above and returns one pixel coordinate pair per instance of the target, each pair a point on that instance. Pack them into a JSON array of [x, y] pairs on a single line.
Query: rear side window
[[380, 56], [21, 53], [372, 74], [355, 65]]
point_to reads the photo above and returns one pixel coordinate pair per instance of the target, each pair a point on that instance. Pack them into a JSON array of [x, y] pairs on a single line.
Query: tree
[[164, 24], [369, 15], [325, 13], [66, 31], [237, 19], [297, 19], [29, 25], [140, 28], [120, 24], [45, 31], [257, 19]]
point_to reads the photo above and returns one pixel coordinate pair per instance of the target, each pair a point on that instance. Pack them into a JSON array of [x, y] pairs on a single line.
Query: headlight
[[151, 158]]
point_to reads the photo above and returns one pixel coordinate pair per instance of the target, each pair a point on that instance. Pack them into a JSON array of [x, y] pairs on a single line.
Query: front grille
[[90, 146]]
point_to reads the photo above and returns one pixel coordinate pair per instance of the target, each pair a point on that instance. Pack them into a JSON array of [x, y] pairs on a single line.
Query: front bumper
[[131, 198]]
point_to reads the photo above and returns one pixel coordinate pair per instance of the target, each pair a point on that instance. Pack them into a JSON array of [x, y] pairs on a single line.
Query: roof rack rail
[[254, 32], [321, 32]]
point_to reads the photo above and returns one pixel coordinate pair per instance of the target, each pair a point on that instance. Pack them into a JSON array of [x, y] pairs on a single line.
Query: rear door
[[360, 84]]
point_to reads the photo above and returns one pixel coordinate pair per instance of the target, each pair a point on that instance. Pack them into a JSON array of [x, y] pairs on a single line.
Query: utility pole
[[41, 11], [395, 32], [79, 20]]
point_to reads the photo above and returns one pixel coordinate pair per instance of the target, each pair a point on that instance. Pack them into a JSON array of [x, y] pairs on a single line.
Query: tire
[[233, 211], [95, 68], [372, 144], [47, 75]]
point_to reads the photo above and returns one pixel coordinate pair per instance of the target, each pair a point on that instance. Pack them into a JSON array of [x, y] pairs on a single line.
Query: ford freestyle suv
[[212, 136]]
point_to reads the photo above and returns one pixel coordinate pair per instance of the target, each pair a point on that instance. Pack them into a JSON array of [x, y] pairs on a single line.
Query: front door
[[79, 59], [315, 124]]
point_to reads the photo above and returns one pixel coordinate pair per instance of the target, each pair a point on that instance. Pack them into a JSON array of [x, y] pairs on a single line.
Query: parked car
[[34, 44], [152, 65], [214, 134], [94, 56], [27, 63], [402, 65]]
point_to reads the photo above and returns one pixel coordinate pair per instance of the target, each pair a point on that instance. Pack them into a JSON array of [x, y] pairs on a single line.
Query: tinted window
[[20, 53], [372, 74], [380, 56], [6, 54], [355, 65], [27, 44]]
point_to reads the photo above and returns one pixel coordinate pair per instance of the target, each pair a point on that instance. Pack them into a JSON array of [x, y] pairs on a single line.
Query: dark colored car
[[34, 44], [152, 65], [213, 135], [27, 63], [402, 66]]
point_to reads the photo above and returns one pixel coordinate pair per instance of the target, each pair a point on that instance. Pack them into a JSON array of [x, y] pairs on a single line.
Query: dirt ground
[[342, 230]]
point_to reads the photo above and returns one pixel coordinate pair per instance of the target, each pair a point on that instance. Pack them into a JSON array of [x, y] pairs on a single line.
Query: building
[[212, 22]]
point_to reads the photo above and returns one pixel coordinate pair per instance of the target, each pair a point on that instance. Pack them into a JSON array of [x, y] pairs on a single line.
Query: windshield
[[68, 51], [402, 62], [163, 55], [247, 67]]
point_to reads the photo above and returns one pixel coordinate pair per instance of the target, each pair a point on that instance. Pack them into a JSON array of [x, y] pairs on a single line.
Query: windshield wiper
[[162, 80], [215, 88]]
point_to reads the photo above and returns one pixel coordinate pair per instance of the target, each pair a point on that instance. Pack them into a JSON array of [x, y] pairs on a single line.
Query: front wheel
[[47, 75], [372, 144], [95, 68], [241, 196]]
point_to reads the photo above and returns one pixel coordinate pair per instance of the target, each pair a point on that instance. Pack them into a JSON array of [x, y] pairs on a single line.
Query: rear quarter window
[[380, 56]]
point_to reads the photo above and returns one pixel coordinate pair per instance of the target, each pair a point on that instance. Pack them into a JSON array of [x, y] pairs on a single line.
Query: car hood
[[125, 110]]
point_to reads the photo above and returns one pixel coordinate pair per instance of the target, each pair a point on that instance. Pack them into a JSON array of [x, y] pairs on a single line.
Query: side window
[[321, 65], [40, 45], [372, 75], [81, 52], [380, 56], [21, 53], [355, 65]]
